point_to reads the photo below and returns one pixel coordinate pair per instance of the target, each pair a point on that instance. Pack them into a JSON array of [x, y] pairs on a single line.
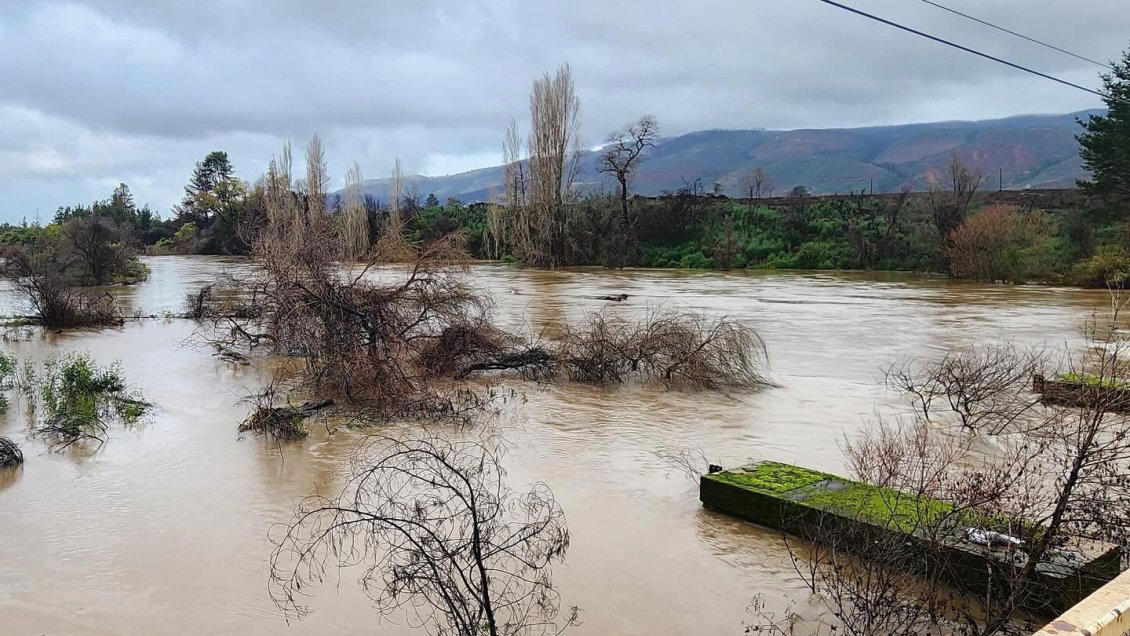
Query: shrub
[[1001, 243], [696, 260], [1109, 265], [10, 454], [79, 400], [56, 305]]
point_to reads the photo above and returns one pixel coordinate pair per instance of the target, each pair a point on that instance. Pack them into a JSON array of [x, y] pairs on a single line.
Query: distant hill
[[1033, 151]]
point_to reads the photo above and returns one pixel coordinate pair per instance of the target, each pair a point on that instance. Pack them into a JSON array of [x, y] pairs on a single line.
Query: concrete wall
[[1104, 613]]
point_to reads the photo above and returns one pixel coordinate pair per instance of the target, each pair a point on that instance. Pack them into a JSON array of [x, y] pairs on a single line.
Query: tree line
[[540, 216]]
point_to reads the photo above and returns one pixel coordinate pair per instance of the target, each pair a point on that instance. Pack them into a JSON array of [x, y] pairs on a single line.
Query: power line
[[973, 51], [1019, 35]]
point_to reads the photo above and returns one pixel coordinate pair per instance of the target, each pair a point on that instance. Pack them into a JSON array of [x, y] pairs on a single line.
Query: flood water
[[164, 530]]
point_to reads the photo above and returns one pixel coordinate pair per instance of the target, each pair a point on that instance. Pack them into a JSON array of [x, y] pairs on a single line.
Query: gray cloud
[[93, 93]]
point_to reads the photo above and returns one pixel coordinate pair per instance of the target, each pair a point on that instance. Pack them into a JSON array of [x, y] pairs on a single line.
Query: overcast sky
[[96, 93]]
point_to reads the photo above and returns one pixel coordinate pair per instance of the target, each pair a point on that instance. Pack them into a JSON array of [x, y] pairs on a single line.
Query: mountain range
[[1026, 151]]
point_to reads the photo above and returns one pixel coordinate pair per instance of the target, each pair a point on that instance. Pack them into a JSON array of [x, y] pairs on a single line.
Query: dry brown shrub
[[999, 242], [677, 348], [53, 302]]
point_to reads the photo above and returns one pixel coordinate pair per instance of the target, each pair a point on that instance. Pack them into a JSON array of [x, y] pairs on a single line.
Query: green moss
[[1093, 381], [773, 477], [882, 506]]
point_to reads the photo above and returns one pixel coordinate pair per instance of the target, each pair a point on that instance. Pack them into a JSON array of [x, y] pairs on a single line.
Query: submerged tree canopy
[[440, 535]]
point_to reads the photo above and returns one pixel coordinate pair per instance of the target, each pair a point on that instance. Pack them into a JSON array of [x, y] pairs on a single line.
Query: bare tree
[[1036, 484], [10, 453], [392, 246], [316, 179], [620, 158], [861, 215], [756, 184], [397, 346], [53, 302], [974, 383], [497, 222], [554, 148], [514, 205], [354, 218], [952, 202], [672, 348], [442, 536]]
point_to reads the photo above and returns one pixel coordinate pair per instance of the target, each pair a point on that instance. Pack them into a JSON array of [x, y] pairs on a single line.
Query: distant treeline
[[539, 217], [1033, 235]]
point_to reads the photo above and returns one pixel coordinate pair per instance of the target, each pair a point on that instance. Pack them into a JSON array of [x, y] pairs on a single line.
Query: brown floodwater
[[164, 530]]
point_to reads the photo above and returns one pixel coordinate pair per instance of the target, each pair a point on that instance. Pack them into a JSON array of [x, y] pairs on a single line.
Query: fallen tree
[[283, 423]]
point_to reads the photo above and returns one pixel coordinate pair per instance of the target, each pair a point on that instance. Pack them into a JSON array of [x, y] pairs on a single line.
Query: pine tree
[[1105, 144], [211, 176]]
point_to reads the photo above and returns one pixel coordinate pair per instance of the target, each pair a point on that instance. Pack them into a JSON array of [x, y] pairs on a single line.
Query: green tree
[[1105, 144], [432, 201], [211, 191]]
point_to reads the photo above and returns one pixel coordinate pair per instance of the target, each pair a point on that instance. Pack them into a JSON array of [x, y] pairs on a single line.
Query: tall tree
[[621, 157], [210, 191], [554, 148], [513, 214], [1105, 142], [354, 217]]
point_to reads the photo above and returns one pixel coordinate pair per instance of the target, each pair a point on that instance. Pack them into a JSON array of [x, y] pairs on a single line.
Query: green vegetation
[[1093, 381], [772, 477], [881, 506], [1107, 265], [1106, 137], [7, 378], [79, 399]]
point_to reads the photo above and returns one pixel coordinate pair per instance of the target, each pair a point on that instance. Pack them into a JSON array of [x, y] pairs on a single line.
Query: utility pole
[[872, 185], [1000, 179]]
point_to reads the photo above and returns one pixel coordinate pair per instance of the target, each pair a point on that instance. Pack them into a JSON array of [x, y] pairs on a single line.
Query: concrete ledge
[[1104, 613], [1113, 399], [811, 504]]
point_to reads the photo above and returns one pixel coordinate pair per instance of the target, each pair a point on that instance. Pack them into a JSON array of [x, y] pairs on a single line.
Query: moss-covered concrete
[[1088, 391], [814, 504]]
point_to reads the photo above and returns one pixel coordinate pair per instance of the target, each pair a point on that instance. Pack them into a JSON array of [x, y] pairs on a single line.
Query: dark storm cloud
[[92, 93]]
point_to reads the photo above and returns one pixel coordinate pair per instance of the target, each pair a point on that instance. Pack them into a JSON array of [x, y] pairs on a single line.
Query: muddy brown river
[[164, 530]]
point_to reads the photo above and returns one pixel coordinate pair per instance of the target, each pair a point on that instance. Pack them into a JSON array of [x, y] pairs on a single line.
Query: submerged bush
[[53, 301], [79, 400], [7, 376], [10, 454]]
